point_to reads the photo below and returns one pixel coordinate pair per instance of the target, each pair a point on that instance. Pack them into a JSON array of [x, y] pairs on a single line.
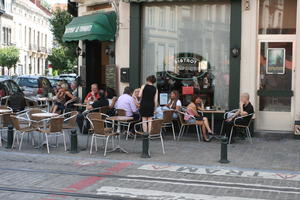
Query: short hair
[[151, 79], [127, 90], [245, 94], [95, 84], [75, 83]]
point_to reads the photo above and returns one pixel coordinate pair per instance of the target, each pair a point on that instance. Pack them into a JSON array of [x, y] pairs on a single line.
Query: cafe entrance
[[275, 88]]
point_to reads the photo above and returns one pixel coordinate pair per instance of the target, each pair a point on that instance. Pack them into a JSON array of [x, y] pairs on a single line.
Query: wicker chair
[[168, 121], [20, 131], [70, 120], [185, 125], [100, 132], [35, 122], [55, 129], [5, 120], [120, 112], [104, 109], [155, 132]]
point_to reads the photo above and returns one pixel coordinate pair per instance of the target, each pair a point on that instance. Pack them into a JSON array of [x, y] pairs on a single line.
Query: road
[[55, 177]]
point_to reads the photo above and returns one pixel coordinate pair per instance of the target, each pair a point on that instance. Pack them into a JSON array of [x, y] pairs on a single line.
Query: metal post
[[145, 153], [224, 142], [10, 136], [74, 142]]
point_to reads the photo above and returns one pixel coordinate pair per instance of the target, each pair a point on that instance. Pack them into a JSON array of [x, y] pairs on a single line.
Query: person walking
[[149, 98]]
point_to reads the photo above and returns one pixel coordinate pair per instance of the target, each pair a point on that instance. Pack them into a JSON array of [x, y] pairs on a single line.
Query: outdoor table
[[213, 112], [80, 104], [41, 116], [46, 100], [119, 119], [3, 111]]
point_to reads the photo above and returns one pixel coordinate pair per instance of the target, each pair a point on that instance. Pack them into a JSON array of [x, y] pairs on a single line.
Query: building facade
[[219, 48], [32, 36], [6, 23]]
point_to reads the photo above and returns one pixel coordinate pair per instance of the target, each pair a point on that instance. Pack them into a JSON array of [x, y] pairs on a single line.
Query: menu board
[[275, 61]]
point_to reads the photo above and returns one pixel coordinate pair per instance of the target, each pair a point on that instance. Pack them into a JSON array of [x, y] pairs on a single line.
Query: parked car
[[11, 94], [68, 77], [34, 85]]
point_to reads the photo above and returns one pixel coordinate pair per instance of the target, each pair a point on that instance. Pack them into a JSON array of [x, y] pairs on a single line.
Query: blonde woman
[[63, 96], [136, 97]]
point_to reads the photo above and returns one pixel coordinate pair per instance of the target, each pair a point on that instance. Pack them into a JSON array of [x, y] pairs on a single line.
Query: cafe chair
[[242, 122], [5, 118], [100, 131], [226, 116], [120, 112], [55, 129], [185, 126], [69, 120], [155, 132], [20, 130], [104, 109], [168, 121], [94, 116]]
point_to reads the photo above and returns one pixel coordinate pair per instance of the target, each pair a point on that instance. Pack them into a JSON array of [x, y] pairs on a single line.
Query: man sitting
[[93, 95], [245, 109], [100, 102], [126, 102]]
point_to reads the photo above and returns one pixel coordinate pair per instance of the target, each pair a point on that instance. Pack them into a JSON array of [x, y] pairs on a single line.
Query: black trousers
[[80, 121]]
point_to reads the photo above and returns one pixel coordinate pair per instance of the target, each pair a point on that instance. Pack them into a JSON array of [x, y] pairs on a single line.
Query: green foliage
[[9, 56], [61, 61], [64, 57]]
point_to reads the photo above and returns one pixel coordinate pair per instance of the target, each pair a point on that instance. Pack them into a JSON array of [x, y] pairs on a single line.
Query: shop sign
[[187, 63], [84, 28], [275, 61]]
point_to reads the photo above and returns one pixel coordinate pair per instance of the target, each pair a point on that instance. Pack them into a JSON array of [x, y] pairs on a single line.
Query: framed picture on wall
[[275, 61]]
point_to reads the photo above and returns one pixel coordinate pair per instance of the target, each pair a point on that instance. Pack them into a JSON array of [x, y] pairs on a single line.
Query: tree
[[65, 55], [9, 56], [61, 61]]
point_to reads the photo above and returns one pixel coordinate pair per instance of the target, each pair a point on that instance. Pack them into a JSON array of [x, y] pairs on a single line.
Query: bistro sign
[[187, 63], [83, 28]]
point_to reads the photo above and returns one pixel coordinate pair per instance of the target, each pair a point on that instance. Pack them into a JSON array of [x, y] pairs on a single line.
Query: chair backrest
[[15, 122], [168, 116], [17, 102], [104, 109], [6, 119], [56, 124], [121, 112], [249, 119], [98, 126], [156, 126], [181, 118], [32, 111], [71, 120]]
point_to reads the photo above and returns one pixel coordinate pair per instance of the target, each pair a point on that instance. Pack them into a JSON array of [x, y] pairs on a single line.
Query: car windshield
[[28, 82]]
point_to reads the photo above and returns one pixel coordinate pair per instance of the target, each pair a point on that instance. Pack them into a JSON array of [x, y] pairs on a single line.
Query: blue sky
[[56, 1]]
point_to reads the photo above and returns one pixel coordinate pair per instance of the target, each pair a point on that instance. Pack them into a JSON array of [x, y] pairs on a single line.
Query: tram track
[[157, 180]]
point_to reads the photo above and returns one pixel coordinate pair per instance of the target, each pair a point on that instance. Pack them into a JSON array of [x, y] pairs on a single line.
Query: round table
[[119, 119], [5, 111], [46, 100]]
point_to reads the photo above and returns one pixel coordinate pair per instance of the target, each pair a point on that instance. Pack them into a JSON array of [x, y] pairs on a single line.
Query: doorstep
[[274, 134]]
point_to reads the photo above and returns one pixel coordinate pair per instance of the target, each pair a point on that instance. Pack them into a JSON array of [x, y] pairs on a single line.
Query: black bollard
[[224, 142], [74, 142], [145, 153], [10, 137]]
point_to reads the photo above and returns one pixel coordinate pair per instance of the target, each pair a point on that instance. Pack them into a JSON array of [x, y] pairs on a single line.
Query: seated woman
[[173, 104], [136, 97], [192, 110], [62, 98]]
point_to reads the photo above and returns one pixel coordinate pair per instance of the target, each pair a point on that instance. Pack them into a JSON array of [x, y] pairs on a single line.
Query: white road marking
[[159, 195], [222, 172], [214, 184]]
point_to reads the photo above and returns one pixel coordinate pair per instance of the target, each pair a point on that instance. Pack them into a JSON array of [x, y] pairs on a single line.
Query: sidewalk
[[264, 153]]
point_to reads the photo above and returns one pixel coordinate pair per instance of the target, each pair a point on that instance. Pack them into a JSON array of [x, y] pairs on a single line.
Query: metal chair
[[35, 122], [120, 112], [155, 132], [185, 125], [168, 121], [104, 109], [244, 123], [55, 129], [226, 117], [20, 131], [100, 132]]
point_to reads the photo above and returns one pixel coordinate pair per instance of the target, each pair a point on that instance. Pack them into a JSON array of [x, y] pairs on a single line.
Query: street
[[26, 175]]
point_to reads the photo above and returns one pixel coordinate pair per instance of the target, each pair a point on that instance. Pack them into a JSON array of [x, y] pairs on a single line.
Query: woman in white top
[[173, 104]]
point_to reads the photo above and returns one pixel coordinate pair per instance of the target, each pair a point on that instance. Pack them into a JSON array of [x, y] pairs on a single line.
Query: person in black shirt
[[101, 102], [245, 109]]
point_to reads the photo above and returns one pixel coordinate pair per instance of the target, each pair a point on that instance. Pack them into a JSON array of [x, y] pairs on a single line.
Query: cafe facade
[[213, 48]]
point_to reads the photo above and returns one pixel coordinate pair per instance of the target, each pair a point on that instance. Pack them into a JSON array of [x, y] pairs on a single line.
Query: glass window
[[192, 49], [277, 16]]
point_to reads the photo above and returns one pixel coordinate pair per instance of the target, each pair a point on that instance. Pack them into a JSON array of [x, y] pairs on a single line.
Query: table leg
[[118, 147], [212, 122]]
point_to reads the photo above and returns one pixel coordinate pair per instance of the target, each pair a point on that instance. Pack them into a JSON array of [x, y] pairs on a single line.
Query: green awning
[[99, 26]]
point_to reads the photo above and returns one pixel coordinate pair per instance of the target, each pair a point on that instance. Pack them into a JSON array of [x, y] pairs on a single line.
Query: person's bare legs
[[149, 124], [202, 126], [54, 108], [145, 125], [206, 123]]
